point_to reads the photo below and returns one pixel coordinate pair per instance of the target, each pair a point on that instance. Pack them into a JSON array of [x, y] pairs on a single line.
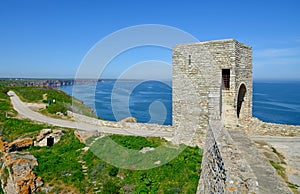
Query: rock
[[60, 114], [84, 135], [17, 173], [146, 149], [129, 120], [42, 138], [43, 133], [3, 145], [19, 144]]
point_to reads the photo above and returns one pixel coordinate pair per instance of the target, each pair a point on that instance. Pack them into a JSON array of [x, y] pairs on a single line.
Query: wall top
[[223, 41]]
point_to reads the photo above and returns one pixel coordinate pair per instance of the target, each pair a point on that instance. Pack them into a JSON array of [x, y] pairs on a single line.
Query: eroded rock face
[[19, 144], [43, 134], [16, 145], [17, 173], [41, 139]]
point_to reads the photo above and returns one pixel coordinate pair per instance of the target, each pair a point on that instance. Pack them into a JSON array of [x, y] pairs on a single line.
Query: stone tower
[[211, 80]]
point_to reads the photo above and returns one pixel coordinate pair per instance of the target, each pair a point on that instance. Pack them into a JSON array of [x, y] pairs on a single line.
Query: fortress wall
[[224, 170], [197, 81]]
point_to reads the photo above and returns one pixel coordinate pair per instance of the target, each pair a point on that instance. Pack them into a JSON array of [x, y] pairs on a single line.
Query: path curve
[[22, 109]]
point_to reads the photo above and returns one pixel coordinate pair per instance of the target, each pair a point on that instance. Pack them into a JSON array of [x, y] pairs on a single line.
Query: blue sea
[[151, 101], [277, 102]]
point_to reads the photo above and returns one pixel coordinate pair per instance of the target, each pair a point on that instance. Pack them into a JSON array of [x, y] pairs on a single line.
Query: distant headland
[[53, 82]]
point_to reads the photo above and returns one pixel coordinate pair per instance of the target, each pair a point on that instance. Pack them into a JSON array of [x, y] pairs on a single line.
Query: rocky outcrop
[[129, 120], [19, 144], [16, 145], [83, 136], [16, 167], [42, 138], [17, 173]]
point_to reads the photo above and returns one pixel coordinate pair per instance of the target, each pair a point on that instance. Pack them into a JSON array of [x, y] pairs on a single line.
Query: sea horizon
[[273, 101]]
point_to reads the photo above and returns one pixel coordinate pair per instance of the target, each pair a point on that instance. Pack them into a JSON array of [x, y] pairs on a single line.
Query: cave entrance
[[240, 99]]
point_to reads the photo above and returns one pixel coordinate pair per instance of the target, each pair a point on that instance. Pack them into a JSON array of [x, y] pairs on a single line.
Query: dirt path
[[23, 110], [289, 147]]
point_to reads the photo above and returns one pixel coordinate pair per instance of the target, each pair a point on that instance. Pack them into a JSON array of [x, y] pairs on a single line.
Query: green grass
[[63, 101], [136, 142], [58, 165], [180, 175], [60, 169], [35, 94], [14, 128], [280, 170]]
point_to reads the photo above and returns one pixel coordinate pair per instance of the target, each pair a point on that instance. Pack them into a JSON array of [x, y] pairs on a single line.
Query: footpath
[[268, 180]]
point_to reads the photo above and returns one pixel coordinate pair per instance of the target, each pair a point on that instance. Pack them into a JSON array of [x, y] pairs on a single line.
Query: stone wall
[[197, 69], [254, 127], [224, 169], [123, 125], [201, 107]]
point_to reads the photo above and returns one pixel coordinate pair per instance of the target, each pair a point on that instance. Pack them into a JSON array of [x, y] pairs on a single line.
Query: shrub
[[113, 171], [110, 187], [57, 107]]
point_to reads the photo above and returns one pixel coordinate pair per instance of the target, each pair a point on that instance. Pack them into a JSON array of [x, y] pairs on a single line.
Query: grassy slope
[[180, 175], [63, 101], [59, 166], [60, 169]]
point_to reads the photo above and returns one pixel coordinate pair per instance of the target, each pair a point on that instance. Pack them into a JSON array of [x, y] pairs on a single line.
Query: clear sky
[[49, 38]]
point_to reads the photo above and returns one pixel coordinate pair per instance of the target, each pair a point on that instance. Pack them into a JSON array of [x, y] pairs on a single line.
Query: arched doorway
[[240, 99]]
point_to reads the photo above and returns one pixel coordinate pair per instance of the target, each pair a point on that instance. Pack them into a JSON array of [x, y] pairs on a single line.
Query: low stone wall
[[124, 125], [213, 175], [255, 126]]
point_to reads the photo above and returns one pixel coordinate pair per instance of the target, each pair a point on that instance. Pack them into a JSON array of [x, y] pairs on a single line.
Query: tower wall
[[197, 75]]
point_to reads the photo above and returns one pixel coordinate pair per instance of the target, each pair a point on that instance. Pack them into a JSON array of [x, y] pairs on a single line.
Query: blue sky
[[49, 38]]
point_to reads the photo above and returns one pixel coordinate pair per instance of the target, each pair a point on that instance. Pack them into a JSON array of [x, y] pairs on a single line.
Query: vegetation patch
[[180, 175], [58, 165], [56, 100], [137, 142]]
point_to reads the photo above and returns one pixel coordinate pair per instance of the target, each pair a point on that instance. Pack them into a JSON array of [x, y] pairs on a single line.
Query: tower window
[[226, 79]]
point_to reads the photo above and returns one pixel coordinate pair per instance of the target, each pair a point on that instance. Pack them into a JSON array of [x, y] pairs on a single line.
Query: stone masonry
[[212, 92], [223, 67]]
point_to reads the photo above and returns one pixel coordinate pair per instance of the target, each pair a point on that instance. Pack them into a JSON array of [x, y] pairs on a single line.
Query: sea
[[151, 101]]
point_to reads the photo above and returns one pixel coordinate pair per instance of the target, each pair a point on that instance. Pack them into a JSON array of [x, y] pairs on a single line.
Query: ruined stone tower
[[211, 80]]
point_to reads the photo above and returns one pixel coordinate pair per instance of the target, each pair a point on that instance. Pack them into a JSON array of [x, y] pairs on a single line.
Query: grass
[[14, 128], [35, 94], [58, 165], [180, 175], [136, 142], [61, 171], [281, 171], [63, 101]]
